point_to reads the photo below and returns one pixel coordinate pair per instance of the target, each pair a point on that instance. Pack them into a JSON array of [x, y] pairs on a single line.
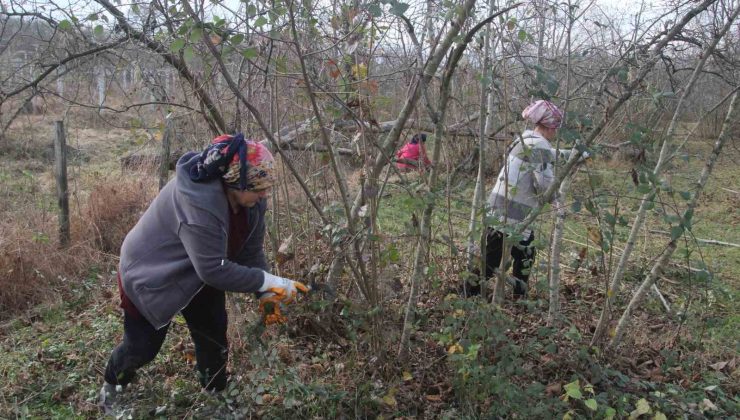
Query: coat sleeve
[[542, 160], [252, 253], [206, 248]]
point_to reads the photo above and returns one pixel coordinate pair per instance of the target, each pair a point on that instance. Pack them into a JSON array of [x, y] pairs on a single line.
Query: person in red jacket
[[413, 155]]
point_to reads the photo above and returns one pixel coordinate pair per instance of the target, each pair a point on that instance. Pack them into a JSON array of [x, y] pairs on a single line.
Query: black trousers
[[522, 254], [207, 321]]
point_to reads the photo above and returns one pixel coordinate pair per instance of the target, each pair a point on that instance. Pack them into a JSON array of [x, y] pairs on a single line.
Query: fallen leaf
[[407, 376], [433, 397], [582, 253], [594, 234], [642, 407], [285, 353], [189, 356], [707, 405], [554, 388], [285, 251], [719, 365], [455, 348], [656, 376], [180, 346], [317, 368]]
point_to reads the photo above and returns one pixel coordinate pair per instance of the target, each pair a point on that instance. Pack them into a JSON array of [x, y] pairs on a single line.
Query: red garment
[[238, 232], [126, 303], [412, 152]]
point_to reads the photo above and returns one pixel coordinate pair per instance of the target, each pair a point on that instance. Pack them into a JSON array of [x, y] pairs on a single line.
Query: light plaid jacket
[[527, 174]]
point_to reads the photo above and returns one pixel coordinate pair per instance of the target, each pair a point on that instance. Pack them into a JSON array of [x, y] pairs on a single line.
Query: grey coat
[[180, 244]]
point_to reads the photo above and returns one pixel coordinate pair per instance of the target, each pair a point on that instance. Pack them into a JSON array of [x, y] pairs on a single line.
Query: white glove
[[282, 286]]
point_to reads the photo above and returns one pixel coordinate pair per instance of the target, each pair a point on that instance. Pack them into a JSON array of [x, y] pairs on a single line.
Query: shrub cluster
[[113, 208]]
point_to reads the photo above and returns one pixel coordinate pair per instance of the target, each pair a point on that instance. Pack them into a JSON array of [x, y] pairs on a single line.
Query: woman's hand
[[285, 289]]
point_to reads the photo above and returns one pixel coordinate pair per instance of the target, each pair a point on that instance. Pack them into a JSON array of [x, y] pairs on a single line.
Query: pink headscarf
[[260, 170], [543, 112]]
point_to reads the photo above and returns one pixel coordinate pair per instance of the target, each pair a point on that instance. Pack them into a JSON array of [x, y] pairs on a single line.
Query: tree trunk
[[639, 220], [101, 86], [164, 163], [477, 211], [60, 173], [425, 228], [553, 312], [390, 144], [665, 256]]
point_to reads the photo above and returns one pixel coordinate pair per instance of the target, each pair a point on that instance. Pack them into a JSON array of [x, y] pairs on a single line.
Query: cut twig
[[662, 298], [703, 241]]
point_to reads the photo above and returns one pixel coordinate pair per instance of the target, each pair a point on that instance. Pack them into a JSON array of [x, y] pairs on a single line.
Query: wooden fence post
[[101, 86], [164, 161], [60, 173]]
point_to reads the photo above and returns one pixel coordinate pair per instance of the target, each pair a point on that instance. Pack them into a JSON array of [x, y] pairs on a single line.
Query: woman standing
[[519, 186]]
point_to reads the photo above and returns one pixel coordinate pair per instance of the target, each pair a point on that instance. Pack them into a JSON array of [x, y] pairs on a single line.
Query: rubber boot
[[520, 287]]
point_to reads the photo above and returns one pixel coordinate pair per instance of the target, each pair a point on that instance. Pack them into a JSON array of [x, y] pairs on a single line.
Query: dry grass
[[35, 268], [113, 208]]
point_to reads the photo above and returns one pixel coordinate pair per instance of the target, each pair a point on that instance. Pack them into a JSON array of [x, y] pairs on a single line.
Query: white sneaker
[[109, 398]]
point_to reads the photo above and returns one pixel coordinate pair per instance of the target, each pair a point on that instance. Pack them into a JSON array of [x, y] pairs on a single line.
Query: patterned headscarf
[[242, 164], [543, 112]]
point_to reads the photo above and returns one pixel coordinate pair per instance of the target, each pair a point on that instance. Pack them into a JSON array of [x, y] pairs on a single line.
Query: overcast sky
[[82, 6]]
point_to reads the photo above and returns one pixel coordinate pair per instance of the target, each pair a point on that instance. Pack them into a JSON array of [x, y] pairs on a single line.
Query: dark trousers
[[522, 254], [207, 321]]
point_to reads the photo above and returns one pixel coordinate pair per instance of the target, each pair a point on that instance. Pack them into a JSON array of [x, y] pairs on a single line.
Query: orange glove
[[270, 309], [271, 302], [282, 286]]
